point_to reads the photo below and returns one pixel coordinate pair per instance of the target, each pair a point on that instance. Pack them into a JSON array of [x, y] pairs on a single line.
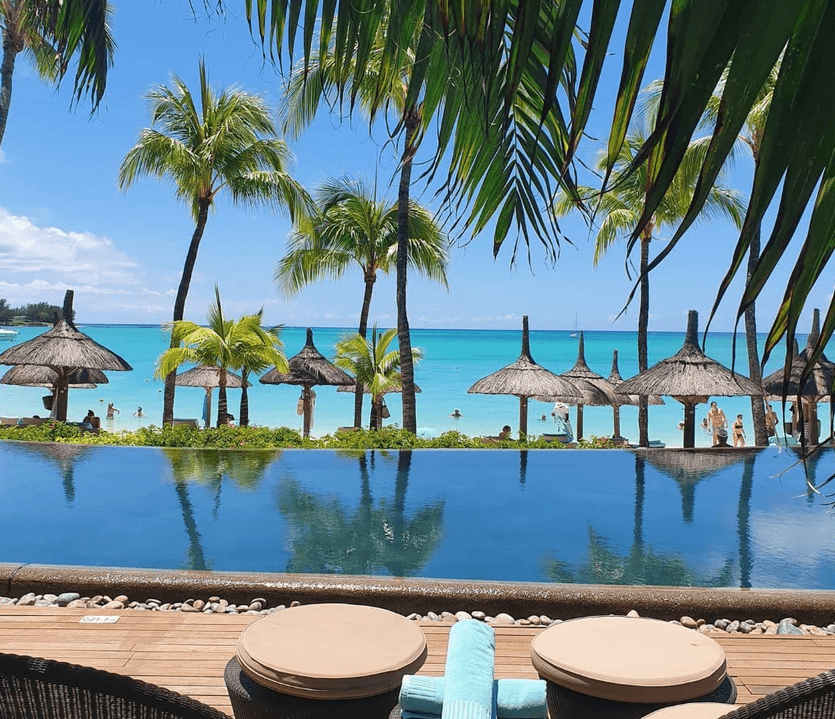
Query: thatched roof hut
[[30, 375], [690, 377], [308, 368], [64, 348], [581, 375], [208, 377], [523, 379]]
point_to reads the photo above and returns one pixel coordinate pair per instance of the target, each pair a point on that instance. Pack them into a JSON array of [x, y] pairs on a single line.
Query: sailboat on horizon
[[574, 332]]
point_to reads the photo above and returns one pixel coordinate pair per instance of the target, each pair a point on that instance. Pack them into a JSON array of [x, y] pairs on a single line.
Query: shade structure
[[63, 349], [308, 368], [595, 390], [24, 375], [690, 377], [812, 386], [208, 377], [634, 400], [523, 379]]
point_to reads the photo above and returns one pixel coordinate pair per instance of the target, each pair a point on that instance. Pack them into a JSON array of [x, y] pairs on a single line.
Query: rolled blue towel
[[422, 698], [468, 685]]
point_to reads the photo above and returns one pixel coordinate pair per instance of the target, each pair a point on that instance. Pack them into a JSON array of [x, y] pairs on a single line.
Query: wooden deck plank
[[188, 652]]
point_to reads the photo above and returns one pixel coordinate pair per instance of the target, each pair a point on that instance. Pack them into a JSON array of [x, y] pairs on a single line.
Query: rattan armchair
[[32, 688], [810, 699]]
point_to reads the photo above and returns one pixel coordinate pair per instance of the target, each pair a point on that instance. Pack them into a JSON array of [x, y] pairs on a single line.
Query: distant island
[[39, 313]]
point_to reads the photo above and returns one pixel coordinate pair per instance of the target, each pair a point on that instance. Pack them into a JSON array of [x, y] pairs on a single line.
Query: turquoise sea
[[453, 360]]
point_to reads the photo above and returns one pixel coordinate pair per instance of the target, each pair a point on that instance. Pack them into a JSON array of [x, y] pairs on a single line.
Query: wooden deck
[[188, 652]]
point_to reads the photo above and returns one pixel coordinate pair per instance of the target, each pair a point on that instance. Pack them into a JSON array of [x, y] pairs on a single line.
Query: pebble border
[[258, 606]]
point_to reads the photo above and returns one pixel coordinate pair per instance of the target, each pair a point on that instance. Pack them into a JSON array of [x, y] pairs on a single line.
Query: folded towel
[[422, 698], [468, 689]]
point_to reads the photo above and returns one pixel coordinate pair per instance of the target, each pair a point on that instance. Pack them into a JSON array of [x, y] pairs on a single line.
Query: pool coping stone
[[408, 595]]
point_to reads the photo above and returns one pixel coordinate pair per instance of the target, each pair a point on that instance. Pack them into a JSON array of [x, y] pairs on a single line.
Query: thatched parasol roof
[[817, 386], [309, 367], [690, 373], [524, 378], [208, 377], [629, 399], [64, 346], [581, 372], [31, 375]]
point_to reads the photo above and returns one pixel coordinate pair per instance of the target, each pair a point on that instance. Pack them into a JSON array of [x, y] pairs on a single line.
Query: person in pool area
[[722, 438], [716, 418], [456, 413], [739, 432], [139, 412]]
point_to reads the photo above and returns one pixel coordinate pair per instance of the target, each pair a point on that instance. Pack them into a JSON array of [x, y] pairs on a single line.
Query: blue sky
[[64, 223]]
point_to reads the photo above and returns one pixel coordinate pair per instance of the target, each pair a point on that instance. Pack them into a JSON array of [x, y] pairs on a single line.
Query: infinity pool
[[736, 519]]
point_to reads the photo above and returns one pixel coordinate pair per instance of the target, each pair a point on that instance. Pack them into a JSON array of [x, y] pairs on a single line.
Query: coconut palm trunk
[[222, 406], [370, 279], [407, 370], [643, 329], [754, 369], [180, 302], [243, 413], [12, 45]]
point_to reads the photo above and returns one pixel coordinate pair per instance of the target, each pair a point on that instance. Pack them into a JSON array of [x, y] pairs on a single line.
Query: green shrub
[[275, 438]]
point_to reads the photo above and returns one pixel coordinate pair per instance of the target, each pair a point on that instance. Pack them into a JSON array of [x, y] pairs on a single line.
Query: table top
[[331, 651], [629, 659]]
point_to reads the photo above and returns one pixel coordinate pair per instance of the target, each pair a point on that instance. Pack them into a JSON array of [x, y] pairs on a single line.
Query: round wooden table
[[624, 667], [323, 660]]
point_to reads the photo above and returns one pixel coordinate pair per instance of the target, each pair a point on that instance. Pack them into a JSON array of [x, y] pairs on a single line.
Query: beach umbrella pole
[[523, 416], [689, 424], [579, 421], [616, 422], [306, 406], [61, 390]]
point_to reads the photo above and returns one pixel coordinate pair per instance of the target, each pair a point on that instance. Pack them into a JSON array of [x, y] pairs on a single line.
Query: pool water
[[726, 518]]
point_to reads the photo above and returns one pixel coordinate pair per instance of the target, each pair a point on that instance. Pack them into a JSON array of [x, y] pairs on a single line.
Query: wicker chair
[[810, 699], [32, 688]]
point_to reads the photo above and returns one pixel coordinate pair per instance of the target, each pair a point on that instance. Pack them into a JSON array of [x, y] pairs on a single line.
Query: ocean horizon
[[453, 360]]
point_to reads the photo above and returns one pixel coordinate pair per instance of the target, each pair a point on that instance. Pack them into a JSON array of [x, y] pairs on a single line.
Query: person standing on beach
[[739, 432], [770, 421], [110, 410], [716, 418]]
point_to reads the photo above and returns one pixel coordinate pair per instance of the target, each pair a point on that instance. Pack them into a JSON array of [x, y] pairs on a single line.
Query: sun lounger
[[49, 689], [187, 422], [27, 421], [8, 420]]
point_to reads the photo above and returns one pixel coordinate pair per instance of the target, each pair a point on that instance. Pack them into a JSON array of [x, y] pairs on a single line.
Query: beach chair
[[187, 422], [8, 420], [810, 699], [48, 689], [26, 421]]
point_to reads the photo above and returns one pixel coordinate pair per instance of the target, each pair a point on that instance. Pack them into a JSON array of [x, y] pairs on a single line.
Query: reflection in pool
[[704, 518]]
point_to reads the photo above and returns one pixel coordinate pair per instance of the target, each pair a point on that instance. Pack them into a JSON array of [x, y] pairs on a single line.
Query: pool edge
[[519, 599]]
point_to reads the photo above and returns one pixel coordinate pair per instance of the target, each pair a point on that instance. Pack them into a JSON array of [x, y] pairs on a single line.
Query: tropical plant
[[375, 368], [501, 51], [225, 344], [227, 142], [354, 229], [52, 34], [261, 350], [620, 209]]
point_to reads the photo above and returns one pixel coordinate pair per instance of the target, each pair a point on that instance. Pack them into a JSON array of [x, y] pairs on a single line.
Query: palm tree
[[225, 344], [374, 367], [352, 228], [384, 84], [261, 350], [230, 144], [501, 51], [620, 210], [52, 33]]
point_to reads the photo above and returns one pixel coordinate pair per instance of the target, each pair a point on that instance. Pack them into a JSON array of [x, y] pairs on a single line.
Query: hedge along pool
[[724, 518]]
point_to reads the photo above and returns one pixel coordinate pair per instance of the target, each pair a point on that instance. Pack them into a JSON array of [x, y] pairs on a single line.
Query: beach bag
[[385, 411]]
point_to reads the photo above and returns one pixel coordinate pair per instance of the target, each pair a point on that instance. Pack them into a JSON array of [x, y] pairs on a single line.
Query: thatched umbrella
[[632, 400], [690, 377], [594, 389], [308, 368], [523, 379], [63, 349], [31, 375], [208, 377], [810, 387]]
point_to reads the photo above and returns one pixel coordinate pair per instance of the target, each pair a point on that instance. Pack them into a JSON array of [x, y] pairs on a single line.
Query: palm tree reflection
[[210, 467], [327, 537]]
